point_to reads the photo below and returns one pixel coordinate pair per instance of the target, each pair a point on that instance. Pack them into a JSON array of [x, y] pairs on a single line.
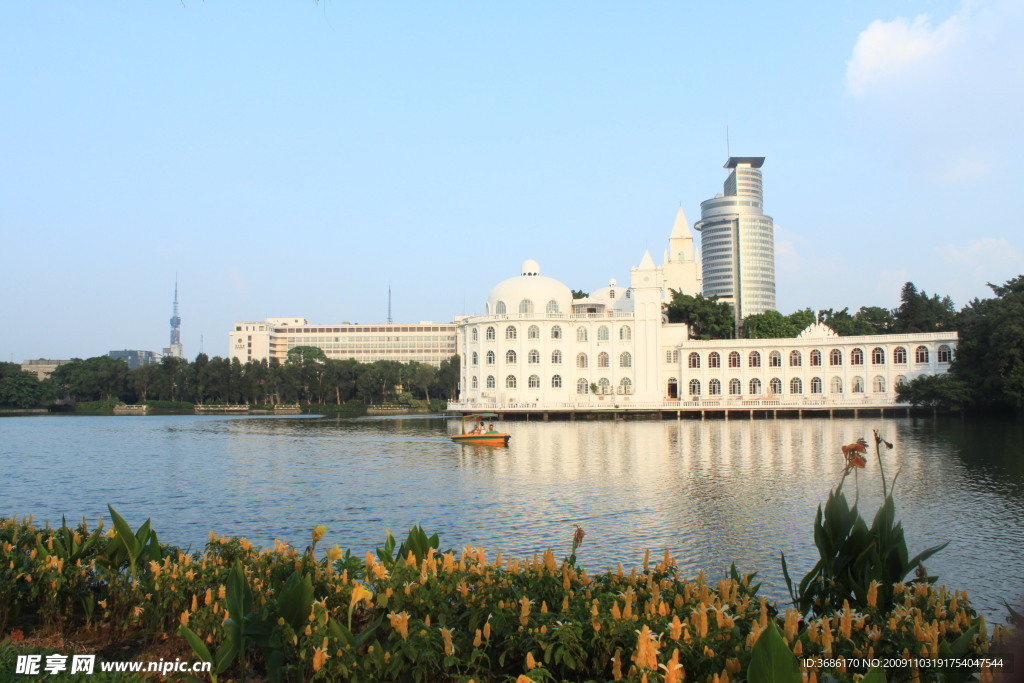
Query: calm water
[[712, 492]]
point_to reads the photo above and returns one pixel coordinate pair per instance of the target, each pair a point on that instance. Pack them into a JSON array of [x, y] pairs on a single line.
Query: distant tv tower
[[175, 349], [389, 304]]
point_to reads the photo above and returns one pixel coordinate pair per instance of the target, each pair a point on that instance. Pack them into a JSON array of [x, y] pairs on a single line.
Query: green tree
[[844, 324], [706, 318], [579, 294], [990, 356], [448, 377], [801, 320], [93, 379], [20, 389], [880, 320], [935, 391], [769, 325]]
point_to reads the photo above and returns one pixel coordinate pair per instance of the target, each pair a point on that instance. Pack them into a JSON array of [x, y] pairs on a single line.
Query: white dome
[[530, 292], [614, 297]]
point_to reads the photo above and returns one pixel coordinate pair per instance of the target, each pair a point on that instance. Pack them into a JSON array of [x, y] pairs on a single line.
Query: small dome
[[612, 283], [530, 294]]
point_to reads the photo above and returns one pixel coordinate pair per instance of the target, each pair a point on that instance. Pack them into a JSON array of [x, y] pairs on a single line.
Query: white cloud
[[985, 252], [887, 51]]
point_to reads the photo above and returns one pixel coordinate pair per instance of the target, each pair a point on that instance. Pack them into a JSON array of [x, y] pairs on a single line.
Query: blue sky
[[293, 159]]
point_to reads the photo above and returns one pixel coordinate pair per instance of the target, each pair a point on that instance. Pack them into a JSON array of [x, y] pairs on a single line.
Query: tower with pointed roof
[[175, 349], [682, 271]]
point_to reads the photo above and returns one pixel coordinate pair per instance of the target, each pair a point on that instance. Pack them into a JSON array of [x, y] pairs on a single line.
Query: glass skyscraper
[[738, 241]]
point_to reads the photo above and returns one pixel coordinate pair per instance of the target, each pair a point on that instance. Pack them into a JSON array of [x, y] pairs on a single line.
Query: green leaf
[[295, 599], [197, 644], [124, 532], [876, 675], [771, 660]]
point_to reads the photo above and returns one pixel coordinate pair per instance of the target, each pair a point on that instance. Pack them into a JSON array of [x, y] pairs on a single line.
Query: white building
[[425, 342], [536, 348]]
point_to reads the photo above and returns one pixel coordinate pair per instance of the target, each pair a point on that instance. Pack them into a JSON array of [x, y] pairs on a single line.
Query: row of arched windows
[[533, 382], [533, 332], [796, 386], [533, 358], [835, 357], [525, 306]]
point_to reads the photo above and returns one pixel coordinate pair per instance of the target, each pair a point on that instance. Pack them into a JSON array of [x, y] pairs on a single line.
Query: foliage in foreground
[[415, 613]]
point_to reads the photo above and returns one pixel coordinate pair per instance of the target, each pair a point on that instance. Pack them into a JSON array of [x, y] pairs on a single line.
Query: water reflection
[[713, 491]]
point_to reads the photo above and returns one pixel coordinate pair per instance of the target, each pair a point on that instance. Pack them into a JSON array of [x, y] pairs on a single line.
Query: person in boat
[[490, 430]]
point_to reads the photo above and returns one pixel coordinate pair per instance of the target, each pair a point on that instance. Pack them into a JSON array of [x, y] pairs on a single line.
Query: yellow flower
[[530, 662], [318, 532], [319, 657], [446, 634], [358, 594], [184, 619]]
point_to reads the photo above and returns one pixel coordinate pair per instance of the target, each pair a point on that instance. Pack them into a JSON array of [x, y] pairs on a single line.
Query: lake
[[713, 492]]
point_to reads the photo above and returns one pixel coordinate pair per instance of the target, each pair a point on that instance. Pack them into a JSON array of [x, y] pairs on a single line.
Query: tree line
[[306, 376], [987, 372]]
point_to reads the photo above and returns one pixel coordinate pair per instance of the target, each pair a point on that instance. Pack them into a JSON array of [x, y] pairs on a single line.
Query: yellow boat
[[486, 438]]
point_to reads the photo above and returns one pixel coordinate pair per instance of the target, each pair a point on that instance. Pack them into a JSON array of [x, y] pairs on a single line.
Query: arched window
[[473, 384], [533, 332], [900, 380], [714, 360], [775, 386], [734, 359], [945, 354], [526, 306], [476, 358], [490, 333], [552, 307], [878, 356], [878, 384], [582, 387], [510, 356], [735, 388], [694, 387], [625, 360], [835, 357], [500, 308], [556, 381], [796, 386], [510, 332], [693, 360], [755, 387], [715, 388], [672, 356], [673, 387], [510, 382], [490, 381], [490, 357], [581, 360], [627, 385], [857, 357], [556, 357], [625, 332], [533, 357], [476, 334], [837, 385], [899, 356], [604, 386], [581, 334], [795, 359], [602, 333], [815, 358], [775, 359], [921, 354], [602, 360], [533, 382], [754, 360], [858, 385], [556, 332], [815, 385]]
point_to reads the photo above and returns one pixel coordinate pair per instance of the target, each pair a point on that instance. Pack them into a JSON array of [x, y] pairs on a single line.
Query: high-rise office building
[[738, 241]]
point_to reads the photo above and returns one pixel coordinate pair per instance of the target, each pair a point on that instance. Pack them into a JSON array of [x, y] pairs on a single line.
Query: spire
[[681, 228], [646, 263]]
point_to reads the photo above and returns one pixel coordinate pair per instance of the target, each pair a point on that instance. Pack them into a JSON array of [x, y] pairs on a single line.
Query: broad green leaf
[[771, 660]]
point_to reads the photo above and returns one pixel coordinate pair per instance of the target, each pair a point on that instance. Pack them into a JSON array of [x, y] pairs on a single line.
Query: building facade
[[425, 342], [738, 241], [537, 349], [135, 358]]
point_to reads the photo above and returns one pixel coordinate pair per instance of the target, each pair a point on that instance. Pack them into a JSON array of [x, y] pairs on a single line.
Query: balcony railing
[[613, 403]]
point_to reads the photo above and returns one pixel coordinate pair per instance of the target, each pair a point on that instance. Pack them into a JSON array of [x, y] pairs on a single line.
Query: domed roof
[[530, 292], [614, 297]]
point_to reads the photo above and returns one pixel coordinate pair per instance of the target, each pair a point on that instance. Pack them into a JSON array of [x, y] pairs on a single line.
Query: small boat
[[485, 438]]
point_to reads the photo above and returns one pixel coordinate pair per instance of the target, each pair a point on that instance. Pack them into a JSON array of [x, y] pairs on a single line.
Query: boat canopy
[[479, 416]]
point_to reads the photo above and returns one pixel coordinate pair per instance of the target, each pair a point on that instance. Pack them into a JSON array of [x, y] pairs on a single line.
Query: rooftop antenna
[[200, 343], [389, 304]]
